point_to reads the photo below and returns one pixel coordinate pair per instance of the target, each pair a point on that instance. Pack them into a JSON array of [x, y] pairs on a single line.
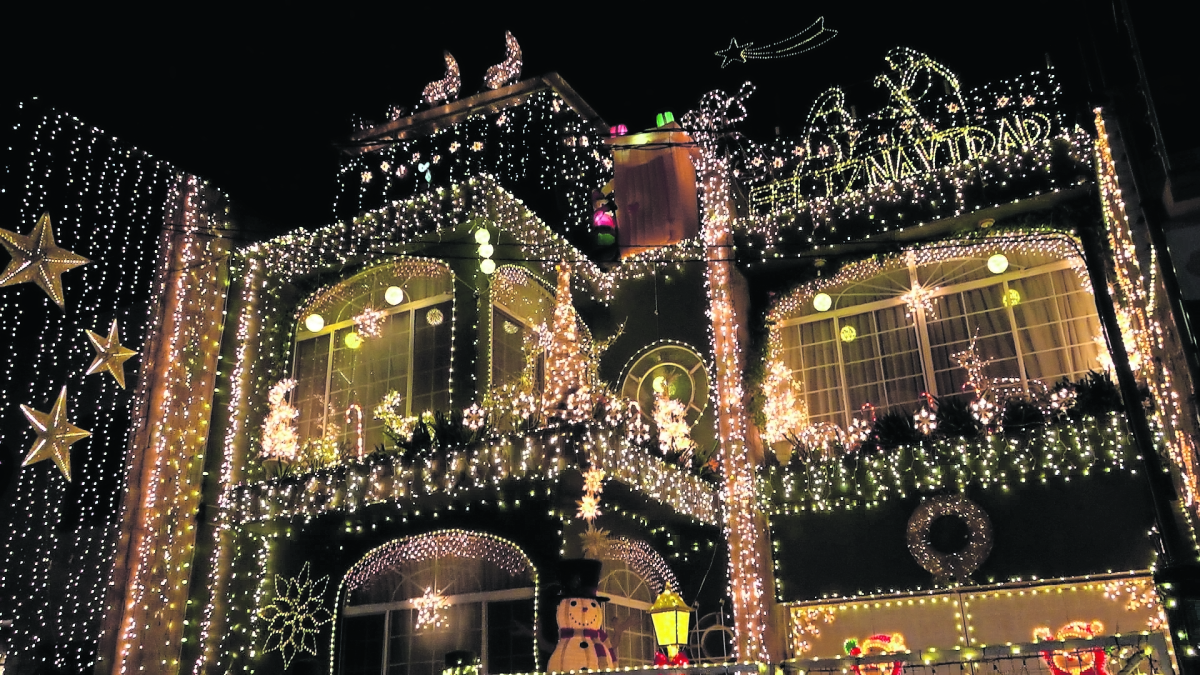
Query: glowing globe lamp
[[482, 236], [487, 266], [670, 615], [998, 263], [314, 322], [486, 250], [848, 333], [394, 295], [353, 340], [822, 302]]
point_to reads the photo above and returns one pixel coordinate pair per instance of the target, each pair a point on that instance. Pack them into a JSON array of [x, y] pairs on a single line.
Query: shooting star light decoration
[[806, 40]]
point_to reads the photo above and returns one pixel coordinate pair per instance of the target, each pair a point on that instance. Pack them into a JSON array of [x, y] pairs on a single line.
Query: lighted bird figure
[[445, 89], [508, 70]]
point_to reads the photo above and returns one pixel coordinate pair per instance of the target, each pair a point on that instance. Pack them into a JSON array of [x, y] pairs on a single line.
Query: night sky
[[256, 101]]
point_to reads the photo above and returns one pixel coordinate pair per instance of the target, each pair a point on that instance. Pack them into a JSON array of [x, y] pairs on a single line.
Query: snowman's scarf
[[599, 639]]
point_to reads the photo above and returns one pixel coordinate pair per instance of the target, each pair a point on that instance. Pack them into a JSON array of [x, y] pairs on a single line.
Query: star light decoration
[[295, 616], [429, 609], [799, 43], [55, 434], [110, 354], [39, 259]]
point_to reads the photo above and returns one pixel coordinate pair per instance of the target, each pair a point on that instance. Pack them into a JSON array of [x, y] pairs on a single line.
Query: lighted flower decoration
[[477, 146], [455, 146], [295, 616], [279, 437], [366, 176], [595, 542], [674, 432]]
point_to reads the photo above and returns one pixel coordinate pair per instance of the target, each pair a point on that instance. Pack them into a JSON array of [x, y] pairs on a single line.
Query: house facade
[[902, 392]]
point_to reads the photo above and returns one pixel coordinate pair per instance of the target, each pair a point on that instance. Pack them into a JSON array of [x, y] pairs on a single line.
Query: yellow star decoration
[[38, 259], [110, 354], [55, 435]]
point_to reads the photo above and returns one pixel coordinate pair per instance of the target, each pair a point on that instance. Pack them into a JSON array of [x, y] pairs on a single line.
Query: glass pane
[[509, 635], [508, 348], [422, 650], [431, 359], [362, 645], [362, 376], [312, 366]]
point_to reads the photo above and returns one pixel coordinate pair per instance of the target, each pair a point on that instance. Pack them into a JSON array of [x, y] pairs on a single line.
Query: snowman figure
[[582, 641]]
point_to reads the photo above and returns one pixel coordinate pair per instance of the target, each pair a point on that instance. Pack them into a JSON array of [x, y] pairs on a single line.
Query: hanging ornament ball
[[394, 295], [998, 263], [434, 317], [822, 302], [353, 340], [1012, 297], [487, 265], [314, 322], [486, 250], [660, 384], [848, 333], [482, 236]]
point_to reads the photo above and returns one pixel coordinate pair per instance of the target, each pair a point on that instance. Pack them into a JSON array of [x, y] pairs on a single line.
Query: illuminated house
[[849, 393]]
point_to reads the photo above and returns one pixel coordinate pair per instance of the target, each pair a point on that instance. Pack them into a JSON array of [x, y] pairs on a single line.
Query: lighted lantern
[[670, 615], [394, 295], [998, 263]]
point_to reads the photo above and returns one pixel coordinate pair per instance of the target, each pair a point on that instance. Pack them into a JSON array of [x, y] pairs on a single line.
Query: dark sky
[[254, 101]]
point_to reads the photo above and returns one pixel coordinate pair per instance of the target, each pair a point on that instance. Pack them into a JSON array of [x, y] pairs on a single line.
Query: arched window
[[410, 602], [520, 303], [385, 330], [632, 576], [881, 333]]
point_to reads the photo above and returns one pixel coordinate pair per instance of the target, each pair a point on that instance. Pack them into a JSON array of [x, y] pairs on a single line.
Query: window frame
[[331, 330], [920, 326]]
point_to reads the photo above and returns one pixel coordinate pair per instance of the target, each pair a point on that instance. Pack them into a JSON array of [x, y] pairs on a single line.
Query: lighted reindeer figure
[[992, 392]]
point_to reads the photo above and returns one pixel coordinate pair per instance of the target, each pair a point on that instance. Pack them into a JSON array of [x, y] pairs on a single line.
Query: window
[[520, 303], [344, 369], [487, 607], [882, 344], [629, 598]]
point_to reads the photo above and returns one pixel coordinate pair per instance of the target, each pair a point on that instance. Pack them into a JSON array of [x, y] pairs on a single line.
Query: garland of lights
[[858, 480], [442, 544], [1143, 335], [743, 527], [463, 471]]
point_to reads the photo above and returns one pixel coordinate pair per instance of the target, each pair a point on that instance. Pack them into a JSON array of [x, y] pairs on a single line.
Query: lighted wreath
[[952, 565]]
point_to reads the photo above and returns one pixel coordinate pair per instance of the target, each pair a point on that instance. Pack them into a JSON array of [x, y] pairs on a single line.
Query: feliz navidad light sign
[[916, 133]]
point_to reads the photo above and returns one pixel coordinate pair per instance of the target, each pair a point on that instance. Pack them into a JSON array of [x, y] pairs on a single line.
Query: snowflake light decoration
[[370, 322], [295, 616]]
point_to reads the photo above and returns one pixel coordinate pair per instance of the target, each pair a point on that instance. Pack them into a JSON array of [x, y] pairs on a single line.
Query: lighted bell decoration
[[670, 615], [394, 295], [482, 236], [487, 266], [822, 302], [314, 322], [998, 263], [486, 250]]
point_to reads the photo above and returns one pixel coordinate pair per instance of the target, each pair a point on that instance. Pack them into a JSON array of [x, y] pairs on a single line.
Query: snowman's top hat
[[579, 578]]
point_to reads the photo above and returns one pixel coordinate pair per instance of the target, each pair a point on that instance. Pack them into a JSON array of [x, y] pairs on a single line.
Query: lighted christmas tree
[[566, 394]]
